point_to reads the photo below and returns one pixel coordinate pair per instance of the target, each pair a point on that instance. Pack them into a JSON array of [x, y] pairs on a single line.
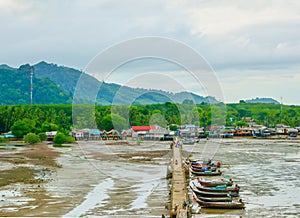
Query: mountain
[[15, 88], [5, 67], [262, 100], [57, 84]]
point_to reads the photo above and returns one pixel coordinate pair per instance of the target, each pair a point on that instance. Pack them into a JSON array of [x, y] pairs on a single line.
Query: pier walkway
[[179, 195]]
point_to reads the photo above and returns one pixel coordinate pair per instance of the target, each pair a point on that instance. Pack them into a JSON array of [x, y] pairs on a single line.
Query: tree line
[[23, 119]]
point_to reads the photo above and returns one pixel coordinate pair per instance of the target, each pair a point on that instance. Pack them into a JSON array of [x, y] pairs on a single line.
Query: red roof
[[212, 127], [142, 128]]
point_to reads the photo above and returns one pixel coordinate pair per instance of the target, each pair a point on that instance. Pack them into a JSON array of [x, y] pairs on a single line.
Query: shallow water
[[268, 173]]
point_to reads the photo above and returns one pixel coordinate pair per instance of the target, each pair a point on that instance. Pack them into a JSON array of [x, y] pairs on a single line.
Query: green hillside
[[57, 84], [15, 88]]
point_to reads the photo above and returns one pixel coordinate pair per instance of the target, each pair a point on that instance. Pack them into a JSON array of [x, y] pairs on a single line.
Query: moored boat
[[206, 173], [212, 194], [220, 205], [222, 188], [202, 169], [215, 199], [214, 183], [198, 163]]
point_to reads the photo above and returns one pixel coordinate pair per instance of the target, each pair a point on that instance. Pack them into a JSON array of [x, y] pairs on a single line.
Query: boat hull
[[215, 199], [213, 194], [219, 205], [205, 173]]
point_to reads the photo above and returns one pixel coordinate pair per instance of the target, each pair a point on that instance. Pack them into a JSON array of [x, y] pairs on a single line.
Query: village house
[[189, 131], [140, 131], [110, 135], [149, 132], [50, 135], [281, 129]]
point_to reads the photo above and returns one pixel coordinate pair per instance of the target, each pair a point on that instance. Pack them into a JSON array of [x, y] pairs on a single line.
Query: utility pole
[[31, 88], [280, 109]]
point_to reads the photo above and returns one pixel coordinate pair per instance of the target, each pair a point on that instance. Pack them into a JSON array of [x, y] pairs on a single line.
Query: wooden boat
[[202, 164], [223, 188], [215, 199], [202, 169], [220, 205], [206, 173], [213, 194], [214, 183]]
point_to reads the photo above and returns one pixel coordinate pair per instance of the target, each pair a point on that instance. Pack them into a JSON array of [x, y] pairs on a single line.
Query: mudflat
[[123, 178]]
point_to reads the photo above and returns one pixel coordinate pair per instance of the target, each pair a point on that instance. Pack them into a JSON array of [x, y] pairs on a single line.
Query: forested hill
[[15, 88], [262, 100], [56, 84]]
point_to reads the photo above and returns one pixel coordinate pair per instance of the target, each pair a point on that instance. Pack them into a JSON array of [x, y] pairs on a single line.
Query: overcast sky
[[252, 46]]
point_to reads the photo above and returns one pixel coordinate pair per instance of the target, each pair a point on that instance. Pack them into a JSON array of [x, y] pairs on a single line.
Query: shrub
[[42, 136], [31, 138], [70, 139], [59, 138], [22, 127], [2, 139]]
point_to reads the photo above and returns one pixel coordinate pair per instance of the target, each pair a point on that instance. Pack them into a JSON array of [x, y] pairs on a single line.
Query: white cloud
[[240, 39], [262, 83], [228, 16]]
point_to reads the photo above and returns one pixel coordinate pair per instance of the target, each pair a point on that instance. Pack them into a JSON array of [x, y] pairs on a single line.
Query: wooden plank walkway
[[179, 193]]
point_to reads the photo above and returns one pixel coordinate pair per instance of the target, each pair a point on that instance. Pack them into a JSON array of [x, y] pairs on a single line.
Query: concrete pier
[[179, 195]]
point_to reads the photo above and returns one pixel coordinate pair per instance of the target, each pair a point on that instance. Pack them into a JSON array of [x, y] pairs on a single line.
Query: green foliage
[[42, 136], [23, 119], [112, 121], [47, 127], [31, 138], [69, 139], [15, 88], [173, 127], [157, 119], [45, 117], [56, 85], [241, 123], [60, 138], [2, 140], [61, 146], [22, 127]]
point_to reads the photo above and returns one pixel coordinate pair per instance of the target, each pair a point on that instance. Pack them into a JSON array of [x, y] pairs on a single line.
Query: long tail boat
[[215, 199], [214, 183], [206, 173], [212, 194], [222, 188], [220, 205]]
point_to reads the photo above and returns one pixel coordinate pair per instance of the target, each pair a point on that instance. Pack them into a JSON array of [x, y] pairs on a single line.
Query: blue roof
[[94, 131], [9, 136], [190, 126]]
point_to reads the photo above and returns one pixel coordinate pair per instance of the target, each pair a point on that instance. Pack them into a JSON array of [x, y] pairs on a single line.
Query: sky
[[251, 47]]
